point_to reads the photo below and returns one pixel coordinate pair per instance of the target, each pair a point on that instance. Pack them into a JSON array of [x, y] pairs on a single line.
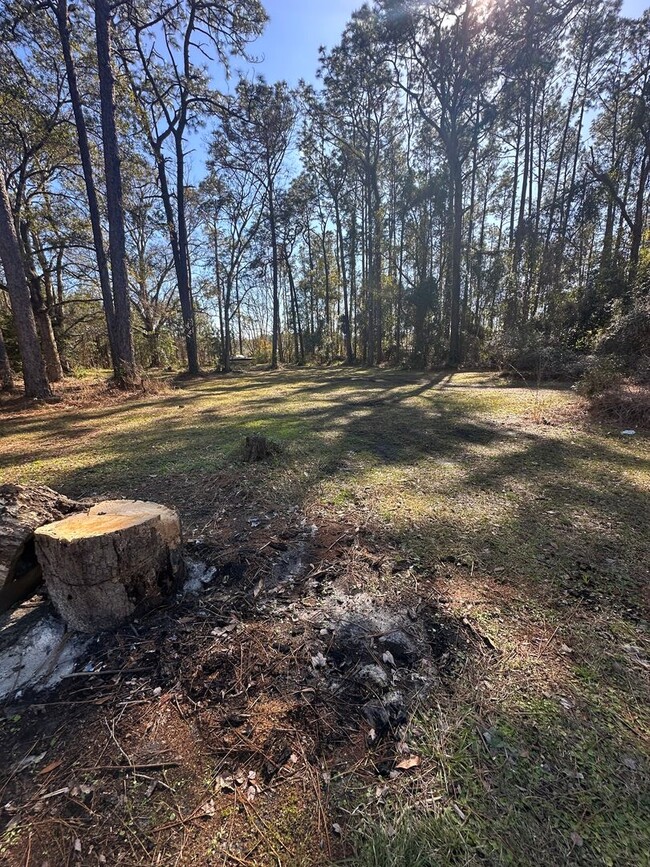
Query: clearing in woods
[[501, 537]]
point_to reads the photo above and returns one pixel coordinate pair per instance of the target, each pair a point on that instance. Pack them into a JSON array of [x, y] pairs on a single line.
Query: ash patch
[[36, 652], [379, 661], [198, 575], [291, 561]]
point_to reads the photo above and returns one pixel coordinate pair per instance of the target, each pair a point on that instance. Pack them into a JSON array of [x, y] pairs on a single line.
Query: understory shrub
[[628, 336], [616, 383], [602, 373], [614, 393], [530, 353], [627, 405]]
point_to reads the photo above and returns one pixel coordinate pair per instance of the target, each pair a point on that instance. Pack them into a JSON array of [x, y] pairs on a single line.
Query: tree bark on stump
[[22, 510], [259, 448], [99, 566]]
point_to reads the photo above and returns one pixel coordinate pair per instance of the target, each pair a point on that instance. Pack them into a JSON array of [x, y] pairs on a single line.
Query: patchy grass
[[517, 518]]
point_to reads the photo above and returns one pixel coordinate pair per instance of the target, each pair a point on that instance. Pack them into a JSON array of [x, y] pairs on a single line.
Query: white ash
[[199, 575], [41, 657]]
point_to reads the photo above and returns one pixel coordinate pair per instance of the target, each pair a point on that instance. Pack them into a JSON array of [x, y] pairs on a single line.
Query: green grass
[[528, 523], [545, 790]]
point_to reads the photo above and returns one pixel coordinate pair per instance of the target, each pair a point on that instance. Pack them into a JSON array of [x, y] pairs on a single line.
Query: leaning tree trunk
[[22, 510], [99, 566], [6, 373], [44, 326], [34, 375]]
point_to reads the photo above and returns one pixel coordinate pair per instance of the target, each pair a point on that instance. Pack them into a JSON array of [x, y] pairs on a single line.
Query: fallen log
[[22, 510], [100, 565]]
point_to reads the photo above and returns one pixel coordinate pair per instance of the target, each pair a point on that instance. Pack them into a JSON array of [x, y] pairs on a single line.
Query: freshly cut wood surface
[[86, 525], [166, 519]]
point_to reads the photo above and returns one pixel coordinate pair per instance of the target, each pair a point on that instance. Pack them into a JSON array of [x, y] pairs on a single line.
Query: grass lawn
[[520, 521]]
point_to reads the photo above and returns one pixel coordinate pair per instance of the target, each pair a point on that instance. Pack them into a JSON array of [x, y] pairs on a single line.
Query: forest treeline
[[463, 183]]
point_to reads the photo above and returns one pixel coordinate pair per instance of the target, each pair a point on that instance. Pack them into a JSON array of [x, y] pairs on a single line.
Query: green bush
[[628, 335], [603, 373]]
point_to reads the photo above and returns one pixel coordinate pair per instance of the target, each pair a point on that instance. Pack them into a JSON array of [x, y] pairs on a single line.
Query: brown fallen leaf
[[407, 764], [51, 767]]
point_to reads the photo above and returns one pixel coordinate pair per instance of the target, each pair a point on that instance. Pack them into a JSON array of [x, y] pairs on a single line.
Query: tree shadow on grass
[[399, 426]]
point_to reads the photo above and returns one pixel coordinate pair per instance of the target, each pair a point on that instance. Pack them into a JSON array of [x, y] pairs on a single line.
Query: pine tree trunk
[[91, 191], [227, 331], [184, 286], [456, 256], [274, 251], [58, 319], [217, 280], [53, 300], [349, 357], [297, 329], [638, 222], [41, 314], [237, 302], [114, 198]]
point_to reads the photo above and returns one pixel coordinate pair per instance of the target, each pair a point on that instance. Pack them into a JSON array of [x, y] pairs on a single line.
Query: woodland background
[[466, 184]]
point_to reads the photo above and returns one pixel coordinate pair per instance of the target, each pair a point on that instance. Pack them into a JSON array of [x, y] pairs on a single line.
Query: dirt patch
[[214, 723]]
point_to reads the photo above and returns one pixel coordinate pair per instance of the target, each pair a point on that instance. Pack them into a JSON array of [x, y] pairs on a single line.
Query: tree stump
[[101, 565], [259, 448], [22, 510]]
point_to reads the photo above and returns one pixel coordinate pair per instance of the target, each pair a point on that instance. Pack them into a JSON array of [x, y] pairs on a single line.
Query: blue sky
[[288, 48], [634, 8]]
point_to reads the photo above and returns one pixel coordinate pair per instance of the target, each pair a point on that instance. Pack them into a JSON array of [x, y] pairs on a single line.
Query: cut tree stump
[[259, 448], [22, 510], [101, 565]]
